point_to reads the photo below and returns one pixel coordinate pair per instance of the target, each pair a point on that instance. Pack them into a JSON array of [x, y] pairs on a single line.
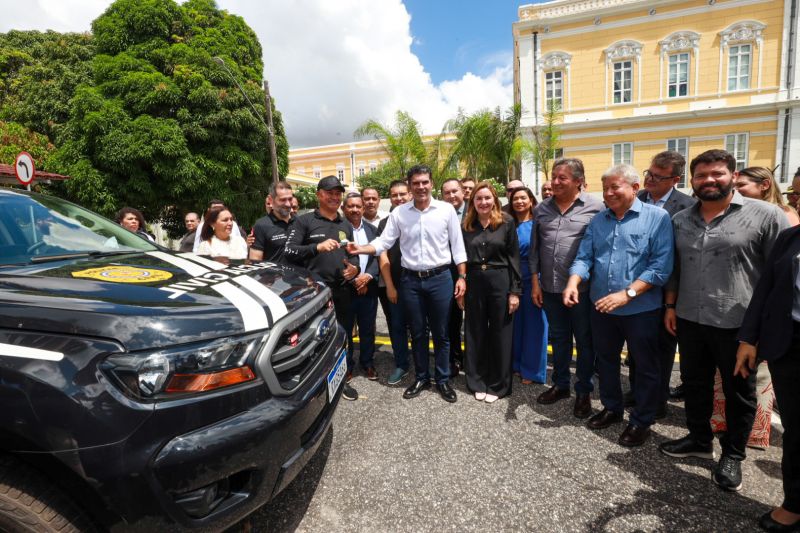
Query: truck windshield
[[40, 228]]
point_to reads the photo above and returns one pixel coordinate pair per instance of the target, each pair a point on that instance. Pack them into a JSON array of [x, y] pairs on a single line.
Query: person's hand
[[350, 270], [461, 287], [352, 248], [671, 321], [251, 238], [513, 303], [570, 296], [460, 302], [745, 360], [362, 280], [391, 293], [362, 290], [327, 245], [536, 294], [612, 301]]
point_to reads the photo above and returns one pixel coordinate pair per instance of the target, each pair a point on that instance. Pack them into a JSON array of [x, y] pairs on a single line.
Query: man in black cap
[[313, 243]]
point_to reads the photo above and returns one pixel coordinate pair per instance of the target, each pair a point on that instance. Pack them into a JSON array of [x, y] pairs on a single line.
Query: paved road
[[425, 465]]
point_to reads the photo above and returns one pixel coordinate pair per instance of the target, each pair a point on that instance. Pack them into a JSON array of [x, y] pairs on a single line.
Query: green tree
[[306, 196], [159, 125], [402, 142], [545, 142]]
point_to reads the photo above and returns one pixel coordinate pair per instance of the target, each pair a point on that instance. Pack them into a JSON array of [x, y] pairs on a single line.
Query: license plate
[[336, 376]]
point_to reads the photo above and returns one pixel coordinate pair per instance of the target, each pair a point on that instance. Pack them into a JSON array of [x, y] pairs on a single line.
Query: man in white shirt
[[453, 194], [430, 238]]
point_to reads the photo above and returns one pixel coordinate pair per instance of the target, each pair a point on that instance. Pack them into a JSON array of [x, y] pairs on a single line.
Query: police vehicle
[[147, 390]]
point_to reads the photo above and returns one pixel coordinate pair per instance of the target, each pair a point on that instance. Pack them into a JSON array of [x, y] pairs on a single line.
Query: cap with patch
[[329, 183]]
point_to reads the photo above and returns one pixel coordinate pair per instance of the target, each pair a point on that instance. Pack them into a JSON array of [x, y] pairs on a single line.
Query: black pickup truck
[[146, 390]]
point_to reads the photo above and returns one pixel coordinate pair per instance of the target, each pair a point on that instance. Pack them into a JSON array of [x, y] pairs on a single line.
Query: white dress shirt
[[233, 248], [661, 201], [427, 238], [360, 237], [197, 233]]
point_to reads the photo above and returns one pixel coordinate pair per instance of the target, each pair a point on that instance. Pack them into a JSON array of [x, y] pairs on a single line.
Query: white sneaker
[[490, 398], [480, 396]]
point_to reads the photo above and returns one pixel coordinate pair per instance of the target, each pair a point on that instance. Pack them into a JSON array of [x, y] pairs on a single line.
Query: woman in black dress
[[493, 289]]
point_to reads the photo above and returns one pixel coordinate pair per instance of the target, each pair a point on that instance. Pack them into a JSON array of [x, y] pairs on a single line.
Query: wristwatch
[[669, 306], [631, 292], [462, 276]]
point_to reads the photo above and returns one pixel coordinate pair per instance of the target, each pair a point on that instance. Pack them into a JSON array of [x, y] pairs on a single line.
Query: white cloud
[[331, 65]]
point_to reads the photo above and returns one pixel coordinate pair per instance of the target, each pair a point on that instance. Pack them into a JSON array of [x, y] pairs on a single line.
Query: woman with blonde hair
[[759, 183], [493, 289]]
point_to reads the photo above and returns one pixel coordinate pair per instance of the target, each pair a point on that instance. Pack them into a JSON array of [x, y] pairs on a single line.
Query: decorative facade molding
[[567, 8], [555, 61], [622, 50], [680, 41], [747, 31]]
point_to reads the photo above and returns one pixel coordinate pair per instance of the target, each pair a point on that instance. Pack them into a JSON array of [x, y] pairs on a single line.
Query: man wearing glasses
[[665, 172]]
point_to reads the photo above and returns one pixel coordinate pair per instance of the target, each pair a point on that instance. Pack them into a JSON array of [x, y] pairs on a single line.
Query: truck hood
[[150, 300]]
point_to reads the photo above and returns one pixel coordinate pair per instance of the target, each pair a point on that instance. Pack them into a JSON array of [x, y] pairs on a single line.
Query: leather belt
[[427, 273], [485, 267]]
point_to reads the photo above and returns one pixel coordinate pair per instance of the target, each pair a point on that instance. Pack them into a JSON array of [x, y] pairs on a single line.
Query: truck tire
[[30, 503]]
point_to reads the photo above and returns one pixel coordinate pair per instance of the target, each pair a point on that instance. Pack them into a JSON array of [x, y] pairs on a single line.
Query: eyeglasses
[[650, 176]]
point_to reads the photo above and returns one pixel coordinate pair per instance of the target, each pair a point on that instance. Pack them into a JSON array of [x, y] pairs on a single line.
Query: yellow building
[[347, 161], [635, 77]]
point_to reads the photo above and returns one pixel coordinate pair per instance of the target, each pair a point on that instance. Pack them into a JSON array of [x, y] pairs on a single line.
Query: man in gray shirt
[[561, 221], [721, 245]]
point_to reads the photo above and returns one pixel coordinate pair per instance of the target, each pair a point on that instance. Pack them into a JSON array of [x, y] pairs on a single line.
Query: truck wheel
[[30, 503]]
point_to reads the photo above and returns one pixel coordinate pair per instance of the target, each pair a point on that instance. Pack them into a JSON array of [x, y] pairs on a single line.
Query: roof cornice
[[539, 16]]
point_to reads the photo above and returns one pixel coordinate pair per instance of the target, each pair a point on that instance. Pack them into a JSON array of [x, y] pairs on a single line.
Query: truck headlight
[[190, 368]]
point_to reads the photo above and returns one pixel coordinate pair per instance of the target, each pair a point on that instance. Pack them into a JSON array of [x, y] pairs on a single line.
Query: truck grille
[[296, 344]]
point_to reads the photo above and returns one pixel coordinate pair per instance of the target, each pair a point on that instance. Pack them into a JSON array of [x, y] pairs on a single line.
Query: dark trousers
[[427, 304], [489, 328], [667, 343], [343, 307], [640, 331], [454, 332], [566, 322], [398, 333], [386, 306], [785, 378], [364, 310], [703, 350]]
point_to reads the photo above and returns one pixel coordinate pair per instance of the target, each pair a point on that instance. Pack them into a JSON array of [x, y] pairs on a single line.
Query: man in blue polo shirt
[[627, 252]]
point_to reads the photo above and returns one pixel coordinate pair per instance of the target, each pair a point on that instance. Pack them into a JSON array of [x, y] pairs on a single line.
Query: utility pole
[[271, 132]]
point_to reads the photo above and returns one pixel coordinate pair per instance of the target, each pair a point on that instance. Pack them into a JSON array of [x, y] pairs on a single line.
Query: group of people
[[715, 274]]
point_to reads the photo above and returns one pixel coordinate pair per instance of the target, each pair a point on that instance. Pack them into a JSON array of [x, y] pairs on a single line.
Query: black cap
[[329, 183]]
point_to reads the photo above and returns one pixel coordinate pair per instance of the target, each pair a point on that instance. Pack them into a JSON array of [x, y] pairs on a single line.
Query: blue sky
[[456, 37]]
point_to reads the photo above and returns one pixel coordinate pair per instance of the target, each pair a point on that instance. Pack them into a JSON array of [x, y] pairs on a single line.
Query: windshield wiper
[[78, 255]]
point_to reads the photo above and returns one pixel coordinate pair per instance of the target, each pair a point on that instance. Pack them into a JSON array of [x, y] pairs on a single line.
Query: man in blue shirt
[[627, 252]]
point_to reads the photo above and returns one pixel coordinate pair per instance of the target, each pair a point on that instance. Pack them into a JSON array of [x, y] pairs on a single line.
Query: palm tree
[[403, 143], [541, 150]]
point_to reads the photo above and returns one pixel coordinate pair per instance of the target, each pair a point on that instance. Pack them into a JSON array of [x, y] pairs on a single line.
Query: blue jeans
[[427, 302], [566, 322], [641, 331], [365, 309], [398, 332]]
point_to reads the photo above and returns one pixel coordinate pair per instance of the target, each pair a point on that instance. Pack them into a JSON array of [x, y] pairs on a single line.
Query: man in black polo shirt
[[272, 230], [313, 243]]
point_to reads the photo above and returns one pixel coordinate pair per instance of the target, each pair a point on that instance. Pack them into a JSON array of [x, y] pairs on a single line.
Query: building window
[[623, 82], [623, 153], [317, 173], [678, 84], [739, 67], [361, 170], [681, 146], [373, 166], [736, 144], [553, 89], [558, 153], [340, 173]]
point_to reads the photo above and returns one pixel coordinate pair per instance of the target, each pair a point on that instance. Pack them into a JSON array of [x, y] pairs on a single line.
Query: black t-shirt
[[271, 234], [311, 229]]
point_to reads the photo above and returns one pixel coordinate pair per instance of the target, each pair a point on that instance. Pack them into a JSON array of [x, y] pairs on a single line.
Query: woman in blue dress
[[529, 346]]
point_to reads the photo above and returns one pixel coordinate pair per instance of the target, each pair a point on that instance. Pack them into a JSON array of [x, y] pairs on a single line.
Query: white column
[[697, 71], [526, 76], [721, 57]]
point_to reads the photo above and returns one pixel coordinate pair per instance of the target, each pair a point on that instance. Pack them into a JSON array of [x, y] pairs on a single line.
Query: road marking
[[13, 350]]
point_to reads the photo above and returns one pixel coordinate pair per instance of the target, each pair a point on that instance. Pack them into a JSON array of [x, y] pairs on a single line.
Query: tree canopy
[[140, 112]]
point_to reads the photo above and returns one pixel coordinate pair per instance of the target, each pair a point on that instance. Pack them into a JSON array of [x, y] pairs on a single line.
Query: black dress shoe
[[677, 393], [552, 395], [414, 390], [446, 391], [768, 523], [583, 406], [603, 419], [628, 400], [634, 436]]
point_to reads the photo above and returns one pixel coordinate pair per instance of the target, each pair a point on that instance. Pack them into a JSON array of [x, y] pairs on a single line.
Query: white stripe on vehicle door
[[276, 306], [12, 350]]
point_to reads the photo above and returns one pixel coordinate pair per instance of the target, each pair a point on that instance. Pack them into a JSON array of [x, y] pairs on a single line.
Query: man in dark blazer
[[365, 285], [660, 179]]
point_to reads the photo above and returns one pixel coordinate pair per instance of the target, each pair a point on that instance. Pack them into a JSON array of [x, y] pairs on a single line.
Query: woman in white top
[[218, 238]]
